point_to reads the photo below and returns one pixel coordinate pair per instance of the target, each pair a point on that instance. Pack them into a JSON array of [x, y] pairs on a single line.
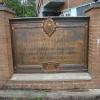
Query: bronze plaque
[[50, 45]]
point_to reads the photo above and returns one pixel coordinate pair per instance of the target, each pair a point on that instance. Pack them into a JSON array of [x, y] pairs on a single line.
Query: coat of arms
[[49, 26]]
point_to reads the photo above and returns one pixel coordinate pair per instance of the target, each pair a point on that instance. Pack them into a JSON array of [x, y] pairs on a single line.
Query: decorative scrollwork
[[51, 66], [49, 26]]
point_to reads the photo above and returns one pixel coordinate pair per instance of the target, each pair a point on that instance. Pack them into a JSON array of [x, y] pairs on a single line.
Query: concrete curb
[[52, 95]]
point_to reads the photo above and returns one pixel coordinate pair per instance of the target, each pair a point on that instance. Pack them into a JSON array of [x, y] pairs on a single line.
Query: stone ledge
[[51, 77]]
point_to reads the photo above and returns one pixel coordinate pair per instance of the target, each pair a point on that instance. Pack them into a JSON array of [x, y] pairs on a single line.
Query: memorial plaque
[[50, 45]]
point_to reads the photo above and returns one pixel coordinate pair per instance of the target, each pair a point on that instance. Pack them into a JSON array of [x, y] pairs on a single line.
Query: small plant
[[14, 98], [38, 98]]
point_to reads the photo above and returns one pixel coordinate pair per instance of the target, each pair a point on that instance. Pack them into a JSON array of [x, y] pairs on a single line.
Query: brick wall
[[94, 58], [5, 46], [94, 64], [73, 3], [94, 45]]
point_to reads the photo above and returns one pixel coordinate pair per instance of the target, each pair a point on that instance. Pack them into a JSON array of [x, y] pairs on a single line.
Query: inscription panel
[[65, 50]]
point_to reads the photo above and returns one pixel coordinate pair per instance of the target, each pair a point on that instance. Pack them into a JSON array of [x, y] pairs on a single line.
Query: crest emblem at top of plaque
[[49, 26]]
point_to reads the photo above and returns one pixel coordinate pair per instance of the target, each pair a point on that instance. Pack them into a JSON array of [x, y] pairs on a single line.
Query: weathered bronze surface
[[61, 47]]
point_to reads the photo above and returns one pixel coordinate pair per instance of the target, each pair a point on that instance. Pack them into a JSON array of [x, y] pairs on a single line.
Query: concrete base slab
[[51, 77], [52, 95]]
